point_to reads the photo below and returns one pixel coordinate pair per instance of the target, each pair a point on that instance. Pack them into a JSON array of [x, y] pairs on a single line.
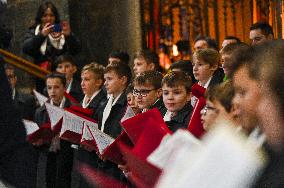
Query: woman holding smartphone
[[49, 38]]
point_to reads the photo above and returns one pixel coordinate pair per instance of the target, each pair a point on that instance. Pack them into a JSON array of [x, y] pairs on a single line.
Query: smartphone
[[57, 28]]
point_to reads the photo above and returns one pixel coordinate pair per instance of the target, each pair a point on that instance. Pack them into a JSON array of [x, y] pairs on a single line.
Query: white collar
[[61, 103], [84, 103], [69, 86], [207, 83]]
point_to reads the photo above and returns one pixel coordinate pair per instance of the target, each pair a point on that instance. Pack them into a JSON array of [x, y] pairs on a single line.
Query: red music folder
[[142, 173], [150, 139], [195, 126], [112, 152], [99, 179], [197, 90], [134, 126], [34, 132]]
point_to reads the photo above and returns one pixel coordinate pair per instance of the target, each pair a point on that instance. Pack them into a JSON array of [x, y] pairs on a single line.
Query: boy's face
[[247, 96], [140, 66], [55, 89], [200, 44], [226, 63], [66, 68], [114, 84], [89, 83], [175, 98], [146, 95], [202, 71], [132, 103]]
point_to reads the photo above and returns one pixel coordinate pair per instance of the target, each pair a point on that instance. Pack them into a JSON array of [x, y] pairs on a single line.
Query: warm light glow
[[175, 50]]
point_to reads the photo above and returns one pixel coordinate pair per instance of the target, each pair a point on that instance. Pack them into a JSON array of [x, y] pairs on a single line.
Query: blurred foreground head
[[270, 111]]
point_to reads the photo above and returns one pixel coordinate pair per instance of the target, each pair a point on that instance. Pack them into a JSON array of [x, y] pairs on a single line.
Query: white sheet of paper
[[86, 130], [71, 122], [128, 114], [168, 147], [40, 97], [102, 140], [225, 160], [30, 126], [55, 113]]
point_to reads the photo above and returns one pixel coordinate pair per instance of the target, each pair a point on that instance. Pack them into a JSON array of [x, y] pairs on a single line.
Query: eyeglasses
[[142, 92], [208, 108]]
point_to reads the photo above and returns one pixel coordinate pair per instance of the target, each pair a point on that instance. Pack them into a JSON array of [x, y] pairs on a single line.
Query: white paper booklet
[[30, 126], [40, 97], [102, 140], [88, 126], [55, 113], [72, 122], [169, 145], [128, 114], [225, 160]]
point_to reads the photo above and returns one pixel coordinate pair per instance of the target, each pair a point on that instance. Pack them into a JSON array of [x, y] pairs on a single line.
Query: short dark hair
[[210, 42], [270, 69], [265, 28], [230, 48], [184, 65], [153, 78], [245, 57], [177, 78], [64, 58], [149, 56], [232, 38], [121, 55], [57, 75], [121, 70], [223, 93], [41, 10], [129, 89]]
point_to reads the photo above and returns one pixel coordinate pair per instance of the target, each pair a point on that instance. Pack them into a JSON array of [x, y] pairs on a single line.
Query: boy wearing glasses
[[176, 88], [147, 90], [219, 103]]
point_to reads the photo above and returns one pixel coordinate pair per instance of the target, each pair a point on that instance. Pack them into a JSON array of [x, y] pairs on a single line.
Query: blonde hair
[[208, 55], [96, 68]]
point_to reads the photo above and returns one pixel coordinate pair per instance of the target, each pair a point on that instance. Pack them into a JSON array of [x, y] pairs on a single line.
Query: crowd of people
[[240, 84]]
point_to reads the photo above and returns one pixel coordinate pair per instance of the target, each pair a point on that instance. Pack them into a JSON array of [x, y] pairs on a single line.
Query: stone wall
[[101, 25]]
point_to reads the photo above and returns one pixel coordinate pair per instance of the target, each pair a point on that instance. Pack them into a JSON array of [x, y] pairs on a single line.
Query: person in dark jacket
[[49, 38], [176, 88], [65, 65], [147, 91], [117, 77], [24, 103], [56, 159], [268, 69], [17, 157], [92, 76]]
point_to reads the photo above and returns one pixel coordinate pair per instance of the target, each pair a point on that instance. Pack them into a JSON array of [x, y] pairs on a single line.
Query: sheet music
[[160, 157], [128, 114], [224, 160], [30, 126], [55, 113], [40, 97], [72, 123], [102, 140], [86, 130]]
